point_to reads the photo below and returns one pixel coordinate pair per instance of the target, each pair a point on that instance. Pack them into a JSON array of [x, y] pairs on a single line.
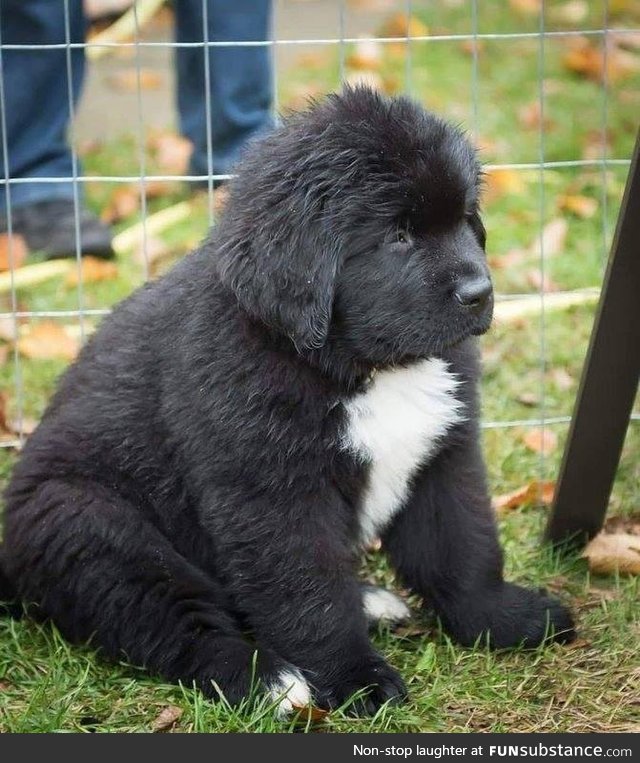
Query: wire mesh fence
[[454, 56]]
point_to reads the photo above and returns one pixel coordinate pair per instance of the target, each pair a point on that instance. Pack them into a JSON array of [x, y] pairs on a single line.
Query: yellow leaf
[[580, 206]]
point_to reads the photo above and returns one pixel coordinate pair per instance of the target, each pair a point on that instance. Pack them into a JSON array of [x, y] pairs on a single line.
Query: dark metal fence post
[[608, 386]]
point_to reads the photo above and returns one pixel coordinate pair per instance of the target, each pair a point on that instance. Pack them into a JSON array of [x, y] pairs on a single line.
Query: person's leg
[[36, 95], [37, 107], [240, 83]]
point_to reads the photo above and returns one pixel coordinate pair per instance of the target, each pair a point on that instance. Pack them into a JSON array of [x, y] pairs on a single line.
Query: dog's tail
[[9, 601]]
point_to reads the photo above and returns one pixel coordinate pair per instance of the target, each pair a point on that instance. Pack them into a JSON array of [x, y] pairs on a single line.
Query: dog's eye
[[402, 237]]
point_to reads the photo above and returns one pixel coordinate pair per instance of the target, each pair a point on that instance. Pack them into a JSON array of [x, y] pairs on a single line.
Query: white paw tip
[[381, 605], [290, 691]]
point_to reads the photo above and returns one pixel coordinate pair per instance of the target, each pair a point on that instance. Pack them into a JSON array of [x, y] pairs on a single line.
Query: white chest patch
[[395, 425]]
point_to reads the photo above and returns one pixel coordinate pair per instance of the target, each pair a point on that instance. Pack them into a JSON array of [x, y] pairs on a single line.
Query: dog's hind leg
[[91, 562]]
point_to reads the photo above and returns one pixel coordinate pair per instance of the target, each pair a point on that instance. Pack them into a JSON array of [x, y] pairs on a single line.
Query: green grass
[[47, 685]]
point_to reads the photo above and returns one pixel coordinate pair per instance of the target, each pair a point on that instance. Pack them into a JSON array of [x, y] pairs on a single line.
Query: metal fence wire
[[338, 45]]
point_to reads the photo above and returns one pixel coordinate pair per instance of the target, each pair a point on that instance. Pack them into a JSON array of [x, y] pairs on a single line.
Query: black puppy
[[236, 431]]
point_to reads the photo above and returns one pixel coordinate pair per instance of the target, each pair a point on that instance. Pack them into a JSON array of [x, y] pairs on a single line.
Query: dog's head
[[358, 220]]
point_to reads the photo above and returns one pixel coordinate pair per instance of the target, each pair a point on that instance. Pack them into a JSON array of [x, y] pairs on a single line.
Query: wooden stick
[[31, 275], [156, 223], [512, 309], [122, 29]]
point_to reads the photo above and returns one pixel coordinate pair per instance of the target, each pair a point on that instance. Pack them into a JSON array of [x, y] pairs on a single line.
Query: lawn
[[531, 369]]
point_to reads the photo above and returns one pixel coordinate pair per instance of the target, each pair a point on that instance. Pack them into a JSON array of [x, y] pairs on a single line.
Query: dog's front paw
[[510, 616], [374, 682]]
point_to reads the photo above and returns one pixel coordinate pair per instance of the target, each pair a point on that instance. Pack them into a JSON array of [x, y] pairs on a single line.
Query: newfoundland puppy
[[199, 490]]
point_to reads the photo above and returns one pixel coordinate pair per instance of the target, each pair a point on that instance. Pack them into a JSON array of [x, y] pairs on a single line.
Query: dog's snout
[[473, 292]]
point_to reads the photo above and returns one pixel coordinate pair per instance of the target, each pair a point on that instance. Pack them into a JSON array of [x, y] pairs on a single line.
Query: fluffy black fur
[[186, 486]]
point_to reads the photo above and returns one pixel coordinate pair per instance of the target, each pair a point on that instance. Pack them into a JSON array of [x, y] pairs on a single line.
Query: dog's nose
[[474, 292]]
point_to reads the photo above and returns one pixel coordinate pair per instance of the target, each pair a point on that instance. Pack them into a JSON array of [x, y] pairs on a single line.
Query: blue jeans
[[37, 93]]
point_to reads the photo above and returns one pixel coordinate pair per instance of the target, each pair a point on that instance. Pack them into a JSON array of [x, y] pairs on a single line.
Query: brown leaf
[[541, 282], [158, 189], [93, 269], [13, 251], [167, 718], [616, 552], [580, 206], [310, 713], [597, 143], [531, 117], [541, 440], [172, 152], [534, 492], [401, 25], [124, 203], [47, 340], [471, 46], [588, 59], [127, 80], [508, 260], [579, 643], [630, 524]]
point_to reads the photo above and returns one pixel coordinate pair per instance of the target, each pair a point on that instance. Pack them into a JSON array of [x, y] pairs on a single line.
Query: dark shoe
[[50, 227]]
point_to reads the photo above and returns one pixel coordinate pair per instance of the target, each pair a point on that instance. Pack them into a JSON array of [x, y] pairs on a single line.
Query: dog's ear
[[286, 280]]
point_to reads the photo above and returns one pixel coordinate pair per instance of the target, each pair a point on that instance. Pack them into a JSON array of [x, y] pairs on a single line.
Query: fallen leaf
[[470, 47], [629, 524], [532, 117], [8, 329], [172, 152], [535, 492], [151, 250], [507, 260], [157, 189], [579, 643], [541, 440], [401, 25], [92, 270], [310, 713], [597, 143], [129, 80], [573, 12], [552, 239], [580, 206], [167, 718], [526, 7], [502, 182], [124, 203], [13, 251], [529, 399], [614, 553], [5, 686], [367, 78], [410, 631], [541, 281], [366, 56], [4, 354], [588, 59], [47, 340], [561, 378]]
